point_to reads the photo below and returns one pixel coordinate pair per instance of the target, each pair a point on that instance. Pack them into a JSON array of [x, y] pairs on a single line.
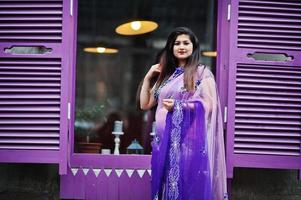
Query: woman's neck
[[181, 63]]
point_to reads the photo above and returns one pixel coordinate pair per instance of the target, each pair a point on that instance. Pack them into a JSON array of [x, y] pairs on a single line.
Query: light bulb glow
[[136, 25], [101, 49]]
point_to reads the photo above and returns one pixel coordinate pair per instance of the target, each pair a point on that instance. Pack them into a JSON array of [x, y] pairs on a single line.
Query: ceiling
[[97, 20]]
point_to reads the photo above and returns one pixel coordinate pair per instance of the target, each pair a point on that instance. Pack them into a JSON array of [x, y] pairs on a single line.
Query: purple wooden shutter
[[33, 87], [264, 97]]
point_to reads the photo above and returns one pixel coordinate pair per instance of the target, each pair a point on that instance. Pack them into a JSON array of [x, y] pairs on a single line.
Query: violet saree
[[188, 159]]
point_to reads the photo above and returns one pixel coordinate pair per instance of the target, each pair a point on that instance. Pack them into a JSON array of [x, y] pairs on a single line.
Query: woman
[[188, 159]]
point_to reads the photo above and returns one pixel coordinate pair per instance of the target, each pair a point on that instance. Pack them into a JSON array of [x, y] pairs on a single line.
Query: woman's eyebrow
[[185, 40]]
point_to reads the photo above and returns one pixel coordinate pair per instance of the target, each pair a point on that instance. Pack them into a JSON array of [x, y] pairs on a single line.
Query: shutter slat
[[37, 90], [269, 71], [267, 76], [274, 36], [273, 31], [24, 37], [268, 140], [24, 147], [266, 25], [277, 47], [29, 115], [255, 13], [263, 40], [30, 73], [35, 19], [270, 128], [32, 96], [267, 121], [31, 31], [31, 25], [29, 141], [29, 62], [30, 109], [267, 81], [268, 110], [276, 87], [264, 152], [29, 84], [272, 8], [268, 92], [267, 146], [31, 102], [31, 12], [256, 103], [271, 3], [267, 116], [267, 20], [24, 68], [30, 135], [267, 133], [263, 98], [32, 5], [29, 128], [29, 79], [29, 121]]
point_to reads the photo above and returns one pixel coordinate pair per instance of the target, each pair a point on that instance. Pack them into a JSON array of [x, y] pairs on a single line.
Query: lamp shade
[[100, 50], [136, 27], [209, 53]]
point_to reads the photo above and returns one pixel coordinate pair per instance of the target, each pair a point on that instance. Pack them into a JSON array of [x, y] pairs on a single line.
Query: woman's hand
[[168, 104], [147, 99], [155, 69]]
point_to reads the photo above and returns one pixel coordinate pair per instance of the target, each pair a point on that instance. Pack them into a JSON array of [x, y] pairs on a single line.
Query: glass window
[[107, 84]]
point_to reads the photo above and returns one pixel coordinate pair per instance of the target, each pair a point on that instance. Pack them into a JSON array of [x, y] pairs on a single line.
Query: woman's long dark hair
[[169, 63]]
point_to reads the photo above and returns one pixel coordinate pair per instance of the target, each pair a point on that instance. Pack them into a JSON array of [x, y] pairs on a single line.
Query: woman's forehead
[[182, 37]]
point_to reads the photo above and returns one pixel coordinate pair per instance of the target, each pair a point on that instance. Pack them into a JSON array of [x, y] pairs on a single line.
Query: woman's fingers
[[155, 69], [168, 104]]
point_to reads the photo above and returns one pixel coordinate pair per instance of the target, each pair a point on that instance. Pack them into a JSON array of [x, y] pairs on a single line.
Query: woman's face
[[182, 47]]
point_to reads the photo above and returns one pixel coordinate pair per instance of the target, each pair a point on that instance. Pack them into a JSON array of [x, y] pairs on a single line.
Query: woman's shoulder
[[203, 71]]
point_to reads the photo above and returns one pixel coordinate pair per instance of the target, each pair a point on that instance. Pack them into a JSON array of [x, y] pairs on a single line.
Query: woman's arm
[[147, 99]]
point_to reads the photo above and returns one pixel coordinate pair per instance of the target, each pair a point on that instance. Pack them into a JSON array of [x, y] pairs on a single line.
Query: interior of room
[[107, 82]]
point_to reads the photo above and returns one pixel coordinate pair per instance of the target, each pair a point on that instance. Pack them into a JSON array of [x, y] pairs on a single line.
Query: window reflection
[[106, 84]]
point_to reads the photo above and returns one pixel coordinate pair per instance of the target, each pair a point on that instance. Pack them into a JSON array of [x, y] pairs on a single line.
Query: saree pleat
[[181, 167], [188, 160]]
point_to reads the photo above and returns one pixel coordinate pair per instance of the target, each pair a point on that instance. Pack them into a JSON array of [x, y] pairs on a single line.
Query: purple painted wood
[[222, 60], [67, 185], [124, 187], [113, 186], [91, 184], [143, 192], [146, 191], [79, 186], [33, 113], [102, 187], [111, 161], [36, 156], [264, 97], [107, 185]]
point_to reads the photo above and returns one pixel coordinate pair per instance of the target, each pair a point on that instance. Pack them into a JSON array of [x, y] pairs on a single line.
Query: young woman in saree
[[188, 157]]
